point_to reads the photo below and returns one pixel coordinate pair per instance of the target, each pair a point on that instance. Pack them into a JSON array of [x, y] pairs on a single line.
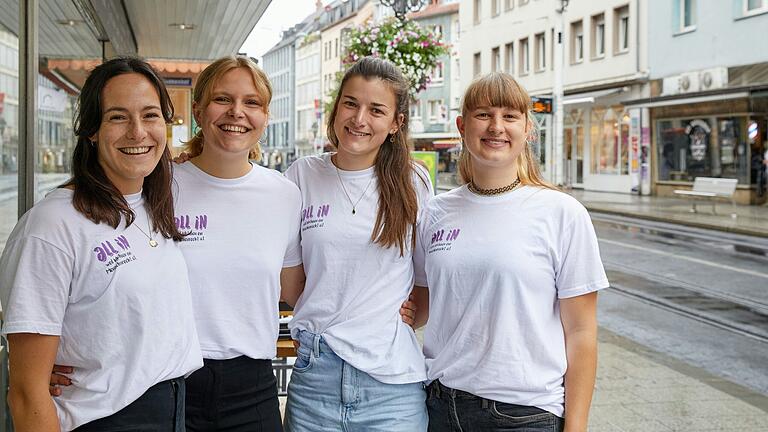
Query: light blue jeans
[[328, 394]]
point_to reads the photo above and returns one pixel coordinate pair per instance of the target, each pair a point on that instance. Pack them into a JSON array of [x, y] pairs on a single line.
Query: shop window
[[703, 147], [609, 136]]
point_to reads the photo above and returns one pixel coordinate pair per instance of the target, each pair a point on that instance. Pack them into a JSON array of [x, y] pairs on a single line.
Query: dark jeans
[[159, 409], [234, 395], [453, 410]]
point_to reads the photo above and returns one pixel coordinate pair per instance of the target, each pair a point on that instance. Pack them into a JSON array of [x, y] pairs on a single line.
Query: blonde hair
[[208, 79], [499, 89]]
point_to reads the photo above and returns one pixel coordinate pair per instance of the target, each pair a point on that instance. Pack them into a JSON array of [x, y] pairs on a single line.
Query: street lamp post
[[558, 156], [402, 7]]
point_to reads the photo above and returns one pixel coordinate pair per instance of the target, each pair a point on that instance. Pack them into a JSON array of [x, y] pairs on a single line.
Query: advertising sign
[[429, 158]]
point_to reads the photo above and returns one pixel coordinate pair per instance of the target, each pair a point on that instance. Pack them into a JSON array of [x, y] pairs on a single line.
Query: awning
[[445, 143], [589, 97], [161, 65]]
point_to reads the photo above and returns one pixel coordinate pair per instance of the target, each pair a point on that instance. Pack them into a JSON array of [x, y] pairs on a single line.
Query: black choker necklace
[[474, 189]]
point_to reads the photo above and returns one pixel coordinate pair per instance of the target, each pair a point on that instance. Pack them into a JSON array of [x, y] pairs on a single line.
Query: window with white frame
[[437, 31], [541, 52], [495, 7], [496, 59], [621, 29], [436, 74], [687, 15], [525, 60], [415, 110], [598, 36], [753, 7], [509, 5], [436, 112], [577, 42], [455, 73], [476, 11], [476, 65], [522, 2], [509, 60]]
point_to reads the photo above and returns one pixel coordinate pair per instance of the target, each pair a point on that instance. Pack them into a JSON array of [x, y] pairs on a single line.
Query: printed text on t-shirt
[[442, 239], [314, 216], [192, 231], [113, 258]]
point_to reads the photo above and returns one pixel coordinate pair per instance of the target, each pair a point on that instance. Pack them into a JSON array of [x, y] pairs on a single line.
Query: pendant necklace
[[354, 204], [152, 242]]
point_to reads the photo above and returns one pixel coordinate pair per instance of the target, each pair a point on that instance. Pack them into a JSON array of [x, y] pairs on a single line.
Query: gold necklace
[[354, 204], [152, 242], [496, 191]]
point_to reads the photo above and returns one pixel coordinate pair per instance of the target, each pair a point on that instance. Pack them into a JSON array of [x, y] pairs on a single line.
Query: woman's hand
[[58, 379], [408, 311], [182, 157]]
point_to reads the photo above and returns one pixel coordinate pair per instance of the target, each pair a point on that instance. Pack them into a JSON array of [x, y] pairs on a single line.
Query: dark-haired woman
[[92, 276], [359, 366]]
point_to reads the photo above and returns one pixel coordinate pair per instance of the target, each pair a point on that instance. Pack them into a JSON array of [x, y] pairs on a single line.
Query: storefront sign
[[698, 134], [178, 82], [430, 160], [541, 104]]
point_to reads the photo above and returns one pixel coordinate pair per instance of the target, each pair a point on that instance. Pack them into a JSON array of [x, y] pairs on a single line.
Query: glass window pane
[[9, 133]]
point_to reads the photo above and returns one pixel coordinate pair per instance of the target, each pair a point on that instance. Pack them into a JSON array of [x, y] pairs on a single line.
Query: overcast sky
[[280, 15]]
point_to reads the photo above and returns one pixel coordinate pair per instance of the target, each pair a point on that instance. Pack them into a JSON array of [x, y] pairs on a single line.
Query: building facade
[[709, 93], [601, 62], [309, 107], [280, 66], [433, 112]]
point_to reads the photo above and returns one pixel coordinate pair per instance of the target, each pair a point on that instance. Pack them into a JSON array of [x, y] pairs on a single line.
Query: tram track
[[713, 305]]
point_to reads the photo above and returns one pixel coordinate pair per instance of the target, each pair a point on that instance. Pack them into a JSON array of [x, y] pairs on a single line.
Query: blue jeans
[[159, 409], [452, 410], [328, 394]]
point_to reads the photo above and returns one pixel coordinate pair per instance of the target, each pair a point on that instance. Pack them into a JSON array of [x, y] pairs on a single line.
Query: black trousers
[[235, 395], [159, 409]]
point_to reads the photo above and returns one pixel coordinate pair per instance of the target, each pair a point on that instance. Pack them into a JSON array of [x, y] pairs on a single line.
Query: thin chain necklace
[[354, 204], [152, 242], [496, 191]]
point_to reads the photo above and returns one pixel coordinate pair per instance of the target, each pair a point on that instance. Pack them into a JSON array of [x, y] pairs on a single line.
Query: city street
[[690, 309]]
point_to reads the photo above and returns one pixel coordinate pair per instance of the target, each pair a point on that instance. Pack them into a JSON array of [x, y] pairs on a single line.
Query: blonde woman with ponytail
[[513, 270], [359, 366]]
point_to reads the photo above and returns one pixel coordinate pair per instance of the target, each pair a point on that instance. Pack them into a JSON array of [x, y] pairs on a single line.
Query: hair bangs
[[495, 90]]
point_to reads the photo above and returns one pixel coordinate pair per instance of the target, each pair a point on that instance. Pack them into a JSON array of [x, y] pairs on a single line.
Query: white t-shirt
[[496, 267], [354, 287], [122, 309], [242, 232]]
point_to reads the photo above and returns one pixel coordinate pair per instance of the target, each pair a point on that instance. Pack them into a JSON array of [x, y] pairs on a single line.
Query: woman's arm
[[31, 358], [579, 317], [292, 284]]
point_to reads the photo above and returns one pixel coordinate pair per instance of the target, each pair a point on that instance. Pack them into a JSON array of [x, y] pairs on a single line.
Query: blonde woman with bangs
[[513, 268]]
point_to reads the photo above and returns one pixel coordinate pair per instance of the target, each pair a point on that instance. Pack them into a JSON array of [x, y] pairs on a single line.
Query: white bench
[[710, 188]]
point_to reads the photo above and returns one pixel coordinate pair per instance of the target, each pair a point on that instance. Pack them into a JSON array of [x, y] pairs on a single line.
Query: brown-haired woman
[[92, 276], [513, 268], [359, 367]]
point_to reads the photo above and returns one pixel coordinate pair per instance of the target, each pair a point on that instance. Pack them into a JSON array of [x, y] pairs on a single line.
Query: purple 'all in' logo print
[[114, 256], [193, 227], [443, 239], [313, 216]]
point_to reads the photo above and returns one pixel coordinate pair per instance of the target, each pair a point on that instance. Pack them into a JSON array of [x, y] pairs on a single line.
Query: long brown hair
[[499, 89], [94, 194], [208, 79], [398, 205]]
